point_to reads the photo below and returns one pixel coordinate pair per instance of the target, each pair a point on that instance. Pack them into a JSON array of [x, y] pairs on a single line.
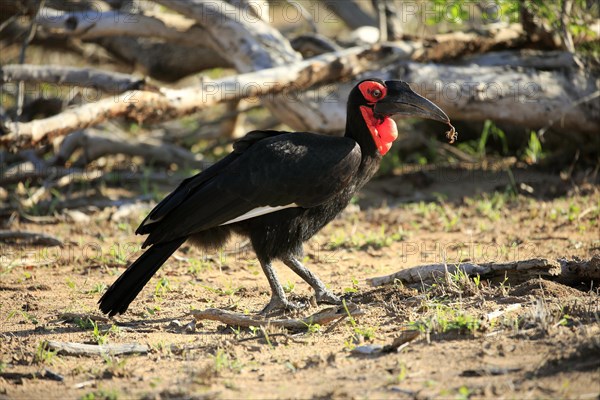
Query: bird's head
[[378, 100]]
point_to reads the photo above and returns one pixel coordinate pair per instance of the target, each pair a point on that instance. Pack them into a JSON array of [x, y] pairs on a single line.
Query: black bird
[[278, 189]]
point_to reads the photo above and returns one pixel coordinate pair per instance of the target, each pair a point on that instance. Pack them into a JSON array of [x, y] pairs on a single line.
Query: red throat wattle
[[384, 131]]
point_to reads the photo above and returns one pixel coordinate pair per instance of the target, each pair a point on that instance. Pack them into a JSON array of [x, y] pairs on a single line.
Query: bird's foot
[[278, 306], [327, 297]]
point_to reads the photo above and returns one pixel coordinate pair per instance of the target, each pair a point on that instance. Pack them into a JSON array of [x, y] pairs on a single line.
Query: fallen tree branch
[[527, 58], [85, 202], [110, 82], [433, 272], [236, 319], [94, 24], [29, 238], [526, 97], [155, 53], [80, 349], [576, 270], [28, 172], [455, 45], [19, 377], [251, 45], [168, 104], [96, 144], [569, 272]]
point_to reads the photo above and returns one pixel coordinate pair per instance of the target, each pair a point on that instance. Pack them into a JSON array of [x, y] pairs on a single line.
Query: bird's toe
[[327, 297], [278, 306]]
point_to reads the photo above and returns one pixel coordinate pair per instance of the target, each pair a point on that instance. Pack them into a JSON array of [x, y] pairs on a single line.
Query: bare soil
[[548, 347]]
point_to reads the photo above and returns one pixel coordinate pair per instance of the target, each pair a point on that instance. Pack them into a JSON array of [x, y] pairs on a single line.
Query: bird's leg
[[278, 302], [322, 294]]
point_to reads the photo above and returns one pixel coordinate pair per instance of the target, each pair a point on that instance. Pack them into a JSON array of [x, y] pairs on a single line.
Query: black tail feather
[[117, 298]]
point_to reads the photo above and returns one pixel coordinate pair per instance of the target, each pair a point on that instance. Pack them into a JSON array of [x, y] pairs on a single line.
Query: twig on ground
[[272, 335], [87, 203], [30, 238], [70, 317], [336, 323], [236, 319], [498, 313], [79, 349]]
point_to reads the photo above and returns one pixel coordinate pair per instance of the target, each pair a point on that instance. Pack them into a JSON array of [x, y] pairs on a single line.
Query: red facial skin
[[383, 130]]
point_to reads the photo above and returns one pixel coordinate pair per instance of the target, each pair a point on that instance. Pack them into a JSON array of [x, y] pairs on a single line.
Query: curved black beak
[[402, 100]]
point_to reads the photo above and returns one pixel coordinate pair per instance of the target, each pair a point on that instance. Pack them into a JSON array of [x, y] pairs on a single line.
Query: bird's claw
[[327, 297], [278, 306]]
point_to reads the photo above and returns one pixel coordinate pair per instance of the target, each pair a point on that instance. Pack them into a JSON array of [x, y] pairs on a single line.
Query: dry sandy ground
[[548, 347]]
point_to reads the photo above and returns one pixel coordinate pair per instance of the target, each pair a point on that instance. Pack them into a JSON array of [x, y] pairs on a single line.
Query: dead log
[[567, 272], [168, 104], [322, 317], [516, 271], [527, 58], [94, 24], [96, 144], [80, 349], [454, 45], [153, 42], [577, 270], [110, 82], [526, 97], [251, 45]]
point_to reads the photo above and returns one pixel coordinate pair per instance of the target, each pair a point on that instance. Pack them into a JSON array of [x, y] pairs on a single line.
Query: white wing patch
[[257, 212]]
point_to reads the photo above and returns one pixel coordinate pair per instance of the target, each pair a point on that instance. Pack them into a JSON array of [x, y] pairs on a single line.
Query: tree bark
[[527, 97], [92, 24], [350, 12], [251, 45], [522, 271], [111, 82], [568, 272]]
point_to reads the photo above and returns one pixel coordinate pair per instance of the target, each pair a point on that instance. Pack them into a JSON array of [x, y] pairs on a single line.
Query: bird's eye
[[376, 93]]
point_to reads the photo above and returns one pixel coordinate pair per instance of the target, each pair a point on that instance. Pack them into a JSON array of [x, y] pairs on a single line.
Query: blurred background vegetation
[[194, 141]]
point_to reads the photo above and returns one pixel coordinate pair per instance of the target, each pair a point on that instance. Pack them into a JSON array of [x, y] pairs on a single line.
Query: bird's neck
[[374, 134], [358, 129]]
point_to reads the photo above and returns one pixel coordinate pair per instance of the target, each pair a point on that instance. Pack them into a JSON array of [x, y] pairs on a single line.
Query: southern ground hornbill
[[278, 189]]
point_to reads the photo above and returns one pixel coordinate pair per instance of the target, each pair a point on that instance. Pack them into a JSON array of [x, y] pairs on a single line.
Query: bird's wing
[[265, 173], [188, 185]]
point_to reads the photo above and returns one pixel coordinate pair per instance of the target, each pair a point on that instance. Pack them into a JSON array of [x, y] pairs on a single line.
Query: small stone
[[191, 327]]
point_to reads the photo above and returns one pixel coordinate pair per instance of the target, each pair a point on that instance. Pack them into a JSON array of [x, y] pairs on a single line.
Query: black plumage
[[301, 180]]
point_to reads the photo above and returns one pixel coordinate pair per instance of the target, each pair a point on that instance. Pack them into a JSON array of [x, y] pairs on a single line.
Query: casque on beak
[[402, 100]]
